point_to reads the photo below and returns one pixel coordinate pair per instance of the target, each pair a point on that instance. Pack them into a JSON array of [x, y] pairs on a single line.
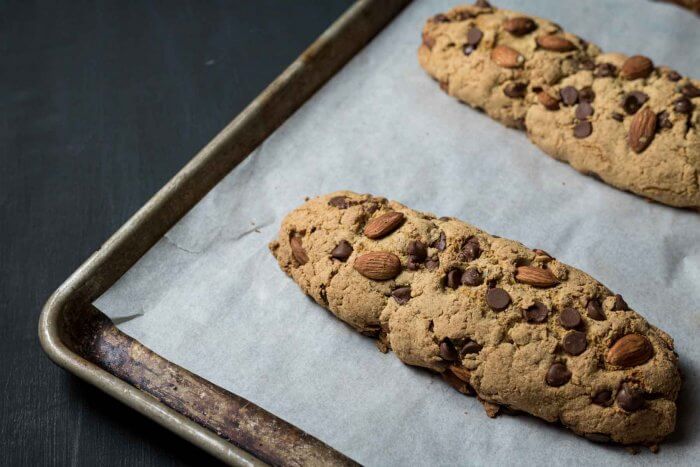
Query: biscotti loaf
[[508, 324], [618, 118]]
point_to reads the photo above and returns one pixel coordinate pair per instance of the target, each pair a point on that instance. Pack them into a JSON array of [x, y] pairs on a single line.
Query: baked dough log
[[508, 324], [618, 118]]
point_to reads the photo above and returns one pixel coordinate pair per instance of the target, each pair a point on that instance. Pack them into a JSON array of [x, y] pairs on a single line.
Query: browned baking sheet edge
[[79, 338]]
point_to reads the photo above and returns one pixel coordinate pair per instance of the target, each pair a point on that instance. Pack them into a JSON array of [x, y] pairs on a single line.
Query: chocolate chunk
[[570, 318], [342, 251], [586, 94], [630, 398], [583, 129], [440, 243], [597, 437], [586, 64], [472, 277], [633, 101], [558, 375], [440, 18], [402, 295], [432, 263], [418, 250], [690, 91], [663, 120], [620, 304], [574, 342], [569, 95], [537, 313], [471, 250], [603, 70], [454, 278], [584, 110], [594, 310], [682, 105], [497, 299], [673, 75], [474, 36], [482, 3], [468, 49], [447, 351], [515, 90], [602, 397], [617, 116], [470, 347], [340, 202]]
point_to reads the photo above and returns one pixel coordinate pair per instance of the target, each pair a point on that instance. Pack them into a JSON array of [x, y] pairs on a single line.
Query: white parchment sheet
[[210, 297]]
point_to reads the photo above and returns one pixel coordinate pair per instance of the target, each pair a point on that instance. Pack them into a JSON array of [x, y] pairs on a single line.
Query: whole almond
[[635, 67], [506, 57], [383, 225], [298, 250], [642, 130], [537, 277], [549, 102], [555, 43], [378, 265], [519, 26], [460, 372], [630, 350]]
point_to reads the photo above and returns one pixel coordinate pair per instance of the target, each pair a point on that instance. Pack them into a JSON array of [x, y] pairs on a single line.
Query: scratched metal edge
[[83, 341]]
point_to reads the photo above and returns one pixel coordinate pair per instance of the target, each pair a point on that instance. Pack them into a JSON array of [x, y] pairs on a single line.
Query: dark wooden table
[[100, 104]]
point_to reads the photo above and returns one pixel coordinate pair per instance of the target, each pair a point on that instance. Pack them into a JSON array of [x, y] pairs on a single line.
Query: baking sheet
[[210, 297]]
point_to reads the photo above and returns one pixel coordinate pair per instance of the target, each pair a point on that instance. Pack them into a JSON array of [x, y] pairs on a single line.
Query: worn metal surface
[[87, 344]]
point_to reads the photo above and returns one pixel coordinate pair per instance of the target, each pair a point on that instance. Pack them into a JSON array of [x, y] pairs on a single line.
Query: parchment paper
[[210, 297]]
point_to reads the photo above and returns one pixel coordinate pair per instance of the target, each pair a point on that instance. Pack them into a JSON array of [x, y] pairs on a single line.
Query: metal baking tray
[[79, 338]]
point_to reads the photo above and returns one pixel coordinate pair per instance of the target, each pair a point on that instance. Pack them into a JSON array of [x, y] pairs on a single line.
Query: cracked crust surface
[[594, 140], [515, 355]]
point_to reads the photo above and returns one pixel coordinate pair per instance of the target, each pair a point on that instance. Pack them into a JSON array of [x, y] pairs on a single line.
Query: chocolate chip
[[586, 64], [586, 94], [583, 129], [594, 310], [602, 397], [440, 243], [447, 351], [682, 105], [570, 318], [497, 299], [402, 295], [558, 375], [432, 263], [690, 91], [470, 347], [619, 304], [569, 95], [342, 251], [617, 116], [474, 36], [482, 3], [603, 70], [418, 250], [471, 250], [633, 101], [584, 110], [340, 202], [472, 277], [454, 278], [537, 313], [597, 437], [440, 18], [574, 342], [468, 49], [630, 398], [515, 90], [673, 76], [663, 120]]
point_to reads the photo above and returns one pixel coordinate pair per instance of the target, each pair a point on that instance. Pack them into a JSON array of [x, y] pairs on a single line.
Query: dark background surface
[[100, 104]]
